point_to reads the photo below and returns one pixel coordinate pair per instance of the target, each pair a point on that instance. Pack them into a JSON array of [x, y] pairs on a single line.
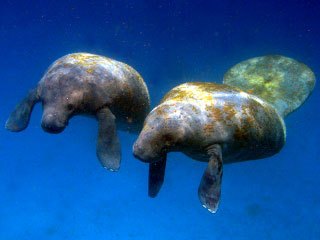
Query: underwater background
[[53, 187]]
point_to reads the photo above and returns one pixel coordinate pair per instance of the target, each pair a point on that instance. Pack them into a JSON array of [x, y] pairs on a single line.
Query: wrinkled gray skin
[[88, 84], [232, 125]]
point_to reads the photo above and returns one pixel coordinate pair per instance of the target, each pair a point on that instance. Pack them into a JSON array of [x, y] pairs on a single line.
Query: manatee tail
[[281, 81]]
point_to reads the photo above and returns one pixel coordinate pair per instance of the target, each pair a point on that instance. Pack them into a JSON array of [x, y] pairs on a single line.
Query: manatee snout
[[145, 151], [53, 123], [139, 152]]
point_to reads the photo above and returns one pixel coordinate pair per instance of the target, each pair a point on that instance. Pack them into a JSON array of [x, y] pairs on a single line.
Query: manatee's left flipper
[[108, 145], [210, 187], [19, 118], [156, 176]]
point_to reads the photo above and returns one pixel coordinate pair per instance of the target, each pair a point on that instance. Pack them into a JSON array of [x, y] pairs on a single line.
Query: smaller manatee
[[83, 83]]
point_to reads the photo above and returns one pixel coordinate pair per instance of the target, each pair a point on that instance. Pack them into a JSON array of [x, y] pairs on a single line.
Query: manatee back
[[93, 68], [281, 81], [106, 82]]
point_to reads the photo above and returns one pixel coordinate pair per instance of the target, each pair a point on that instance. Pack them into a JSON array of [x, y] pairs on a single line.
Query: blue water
[[53, 187]]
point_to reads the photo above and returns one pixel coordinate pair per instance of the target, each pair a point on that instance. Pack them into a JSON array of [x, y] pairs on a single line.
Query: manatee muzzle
[[145, 152], [53, 123]]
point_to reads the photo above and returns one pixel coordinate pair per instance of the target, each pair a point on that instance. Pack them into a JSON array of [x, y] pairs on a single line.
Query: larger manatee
[[83, 83], [224, 123]]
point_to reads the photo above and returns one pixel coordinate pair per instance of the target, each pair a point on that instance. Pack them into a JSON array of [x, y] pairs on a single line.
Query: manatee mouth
[[52, 128], [51, 125]]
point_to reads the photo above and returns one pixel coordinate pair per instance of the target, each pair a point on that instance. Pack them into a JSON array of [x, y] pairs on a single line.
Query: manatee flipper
[[108, 145], [156, 176], [19, 118], [210, 187]]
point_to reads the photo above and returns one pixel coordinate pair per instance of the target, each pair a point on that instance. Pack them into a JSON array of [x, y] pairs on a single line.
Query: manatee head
[[62, 95], [160, 135]]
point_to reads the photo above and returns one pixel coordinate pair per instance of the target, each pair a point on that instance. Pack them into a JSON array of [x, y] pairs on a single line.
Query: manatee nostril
[[50, 128]]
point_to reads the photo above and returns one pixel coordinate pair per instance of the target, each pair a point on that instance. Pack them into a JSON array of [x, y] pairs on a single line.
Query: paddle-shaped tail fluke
[[281, 81]]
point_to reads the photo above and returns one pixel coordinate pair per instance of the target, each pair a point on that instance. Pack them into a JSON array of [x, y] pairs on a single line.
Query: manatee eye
[[70, 107]]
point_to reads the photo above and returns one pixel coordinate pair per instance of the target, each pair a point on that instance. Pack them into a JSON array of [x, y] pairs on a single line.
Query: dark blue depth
[[53, 187]]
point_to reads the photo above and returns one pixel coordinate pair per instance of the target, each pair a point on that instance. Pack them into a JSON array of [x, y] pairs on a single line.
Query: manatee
[[218, 123], [82, 83]]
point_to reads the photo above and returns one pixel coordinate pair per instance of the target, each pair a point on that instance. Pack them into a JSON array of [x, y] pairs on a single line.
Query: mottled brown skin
[[281, 81], [82, 83], [208, 122]]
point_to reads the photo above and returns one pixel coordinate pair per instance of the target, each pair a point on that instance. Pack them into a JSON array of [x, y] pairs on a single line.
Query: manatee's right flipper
[[108, 145], [20, 117], [210, 187], [156, 176]]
